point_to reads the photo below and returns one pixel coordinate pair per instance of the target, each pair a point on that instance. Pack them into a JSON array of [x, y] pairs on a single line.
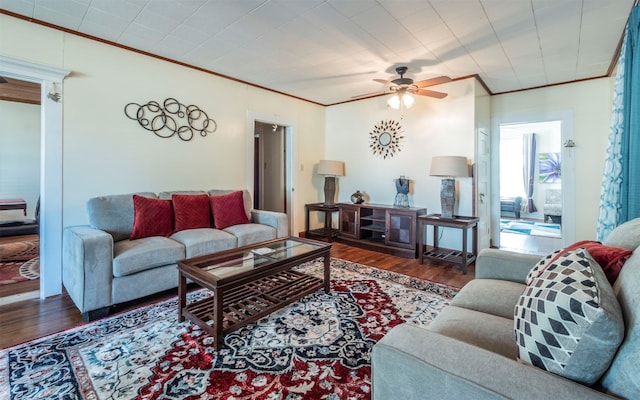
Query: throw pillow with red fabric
[[611, 259], [191, 211], [151, 217], [228, 210]]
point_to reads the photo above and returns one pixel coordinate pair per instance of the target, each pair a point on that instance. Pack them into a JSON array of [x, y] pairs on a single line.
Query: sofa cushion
[[251, 233], [491, 296], [622, 377], [202, 241], [131, 256], [113, 214], [228, 210], [167, 195], [191, 211], [151, 217], [568, 320], [487, 331]]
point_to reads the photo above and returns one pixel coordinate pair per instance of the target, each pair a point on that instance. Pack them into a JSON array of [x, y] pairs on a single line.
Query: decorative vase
[[357, 198]]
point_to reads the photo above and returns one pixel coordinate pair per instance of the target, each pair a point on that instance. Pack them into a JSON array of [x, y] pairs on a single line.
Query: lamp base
[[447, 197], [329, 190]]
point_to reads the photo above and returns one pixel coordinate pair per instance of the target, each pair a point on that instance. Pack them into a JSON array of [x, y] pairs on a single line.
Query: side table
[[435, 252], [327, 232]]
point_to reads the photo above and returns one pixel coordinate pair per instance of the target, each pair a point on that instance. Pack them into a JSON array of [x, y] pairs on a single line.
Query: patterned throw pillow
[[151, 217], [228, 210], [191, 211], [541, 266], [568, 320]]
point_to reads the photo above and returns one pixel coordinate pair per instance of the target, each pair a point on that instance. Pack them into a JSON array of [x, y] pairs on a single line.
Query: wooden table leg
[[327, 273], [464, 251], [217, 319], [182, 295], [421, 241]]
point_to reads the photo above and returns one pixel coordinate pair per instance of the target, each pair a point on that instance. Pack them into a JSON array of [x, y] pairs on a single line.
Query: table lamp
[[330, 169], [448, 167]]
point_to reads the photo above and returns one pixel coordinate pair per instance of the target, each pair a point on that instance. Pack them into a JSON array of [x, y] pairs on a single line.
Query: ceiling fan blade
[[433, 81], [430, 93], [385, 82], [370, 94]]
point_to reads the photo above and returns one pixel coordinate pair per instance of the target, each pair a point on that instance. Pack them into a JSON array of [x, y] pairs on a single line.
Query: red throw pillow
[[191, 211], [228, 210], [151, 217], [611, 259]]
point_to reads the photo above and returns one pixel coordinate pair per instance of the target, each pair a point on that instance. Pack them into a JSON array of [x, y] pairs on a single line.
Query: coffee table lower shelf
[[247, 303]]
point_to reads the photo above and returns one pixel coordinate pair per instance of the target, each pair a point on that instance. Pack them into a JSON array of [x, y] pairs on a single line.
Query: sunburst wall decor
[[385, 138]]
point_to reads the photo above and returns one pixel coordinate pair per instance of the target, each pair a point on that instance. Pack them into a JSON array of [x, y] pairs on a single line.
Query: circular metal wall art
[[171, 118], [385, 138]]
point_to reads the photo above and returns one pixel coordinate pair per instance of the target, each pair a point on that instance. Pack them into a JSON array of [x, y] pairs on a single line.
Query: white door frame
[[49, 78], [568, 169], [291, 155]]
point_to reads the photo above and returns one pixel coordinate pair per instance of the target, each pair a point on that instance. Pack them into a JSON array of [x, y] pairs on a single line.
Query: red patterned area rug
[[317, 348], [19, 261]]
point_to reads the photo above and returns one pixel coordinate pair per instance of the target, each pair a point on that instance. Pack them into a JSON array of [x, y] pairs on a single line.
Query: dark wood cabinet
[[378, 227]]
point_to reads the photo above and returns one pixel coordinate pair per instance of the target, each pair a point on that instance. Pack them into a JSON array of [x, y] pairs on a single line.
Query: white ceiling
[[327, 51]]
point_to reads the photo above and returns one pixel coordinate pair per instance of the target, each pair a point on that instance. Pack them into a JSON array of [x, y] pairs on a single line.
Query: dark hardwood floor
[[30, 319]]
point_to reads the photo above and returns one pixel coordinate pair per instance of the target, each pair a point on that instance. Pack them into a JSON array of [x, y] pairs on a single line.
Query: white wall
[[19, 156], [590, 104], [105, 152], [431, 128]]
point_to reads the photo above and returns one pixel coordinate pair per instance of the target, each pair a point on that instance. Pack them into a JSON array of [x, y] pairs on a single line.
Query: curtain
[[620, 193], [529, 168]]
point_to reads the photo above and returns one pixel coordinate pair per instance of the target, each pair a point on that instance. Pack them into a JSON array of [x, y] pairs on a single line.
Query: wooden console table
[[380, 227], [14, 204], [435, 252]]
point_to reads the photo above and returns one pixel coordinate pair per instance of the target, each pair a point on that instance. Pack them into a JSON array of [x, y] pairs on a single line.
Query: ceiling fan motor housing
[[402, 80]]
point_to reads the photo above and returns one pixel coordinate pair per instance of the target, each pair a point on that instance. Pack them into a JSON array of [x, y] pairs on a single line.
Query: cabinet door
[[349, 217], [401, 229]]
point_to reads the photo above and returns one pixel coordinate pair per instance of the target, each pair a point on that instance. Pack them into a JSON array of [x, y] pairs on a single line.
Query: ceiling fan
[[402, 87]]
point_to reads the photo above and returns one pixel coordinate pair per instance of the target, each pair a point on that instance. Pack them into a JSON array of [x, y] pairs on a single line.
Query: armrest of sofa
[[415, 363], [87, 270], [504, 265], [278, 220]]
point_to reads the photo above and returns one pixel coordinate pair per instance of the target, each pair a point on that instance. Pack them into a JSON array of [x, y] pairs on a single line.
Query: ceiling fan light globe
[[408, 101], [394, 102]]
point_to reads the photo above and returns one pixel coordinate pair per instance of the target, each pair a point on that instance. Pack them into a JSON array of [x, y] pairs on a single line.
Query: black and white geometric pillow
[[541, 265], [568, 320]]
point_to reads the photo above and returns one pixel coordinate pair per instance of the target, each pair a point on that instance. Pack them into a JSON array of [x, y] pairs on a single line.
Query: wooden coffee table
[[249, 283]]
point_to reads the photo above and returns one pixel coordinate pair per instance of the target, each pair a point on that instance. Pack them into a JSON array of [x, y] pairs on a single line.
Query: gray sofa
[[102, 267], [469, 351]]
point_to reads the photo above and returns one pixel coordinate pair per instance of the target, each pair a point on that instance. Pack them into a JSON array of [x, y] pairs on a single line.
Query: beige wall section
[[105, 152], [590, 104]]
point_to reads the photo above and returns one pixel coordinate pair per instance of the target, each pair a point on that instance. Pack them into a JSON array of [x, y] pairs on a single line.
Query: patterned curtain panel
[[529, 168], [620, 196]]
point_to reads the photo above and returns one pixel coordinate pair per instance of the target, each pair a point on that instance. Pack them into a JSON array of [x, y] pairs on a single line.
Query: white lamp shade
[[331, 167], [449, 166]]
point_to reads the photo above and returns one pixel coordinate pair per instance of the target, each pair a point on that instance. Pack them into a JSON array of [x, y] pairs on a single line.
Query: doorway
[[531, 186], [50, 80], [273, 190], [270, 167], [19, 182]]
